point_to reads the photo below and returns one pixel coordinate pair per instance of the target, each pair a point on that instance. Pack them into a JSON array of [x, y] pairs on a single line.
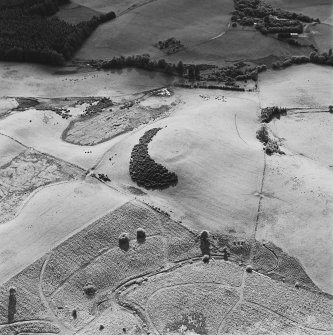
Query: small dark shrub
[[249, 268], [89, 289], [123, 241], [140, 234], [204, 235], [262, 135], [74, 314], [101, 327], [206, 259]]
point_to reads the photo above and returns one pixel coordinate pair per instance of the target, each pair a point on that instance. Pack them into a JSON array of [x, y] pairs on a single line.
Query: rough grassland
[[208, 300], [111, 123], [68, 257], [248, 319], [27, 172], [308, 309]]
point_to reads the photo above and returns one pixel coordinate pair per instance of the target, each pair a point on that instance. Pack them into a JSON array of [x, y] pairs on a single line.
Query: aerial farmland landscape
[[166, 167]]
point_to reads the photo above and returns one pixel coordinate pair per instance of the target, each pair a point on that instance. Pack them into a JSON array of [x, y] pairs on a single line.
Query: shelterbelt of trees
[[268, 20], [28, 34]]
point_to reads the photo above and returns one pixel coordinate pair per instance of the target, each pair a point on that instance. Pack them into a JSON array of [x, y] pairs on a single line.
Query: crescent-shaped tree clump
[[145, 171]]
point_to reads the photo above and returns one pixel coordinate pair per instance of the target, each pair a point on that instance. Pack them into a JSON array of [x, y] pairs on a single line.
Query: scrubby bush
[[249, 268], [11, 304], [269, 113], [140, 234], [204, 235], [123, 241], [206, 259], [204, 242], [74, 314], [262, 135], [89, 289]]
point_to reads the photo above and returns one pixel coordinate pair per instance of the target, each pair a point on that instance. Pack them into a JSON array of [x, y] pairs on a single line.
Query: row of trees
[[250, 12], [28, 35], [142, 62], [315, 57], [259, 9]]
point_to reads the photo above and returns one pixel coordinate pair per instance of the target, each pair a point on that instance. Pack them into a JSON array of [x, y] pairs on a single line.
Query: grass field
[[74, 13], [43, 81], [189, 21], [231, 167], [117, 6], [300, 86]]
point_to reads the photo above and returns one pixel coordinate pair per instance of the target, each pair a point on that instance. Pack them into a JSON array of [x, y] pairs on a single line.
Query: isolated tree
[[168, 69], [11, 304], [140, 235], [197, 72], [123, 241], [180, 68], [225, 254], [162, 64], [191, 72]]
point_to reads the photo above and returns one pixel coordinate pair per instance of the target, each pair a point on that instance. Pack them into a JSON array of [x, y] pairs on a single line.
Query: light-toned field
[[298, 214], [48, 216], [27, 172], [211, 146], [31, 80], [9, 149], [42, 131], [298, 86]]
